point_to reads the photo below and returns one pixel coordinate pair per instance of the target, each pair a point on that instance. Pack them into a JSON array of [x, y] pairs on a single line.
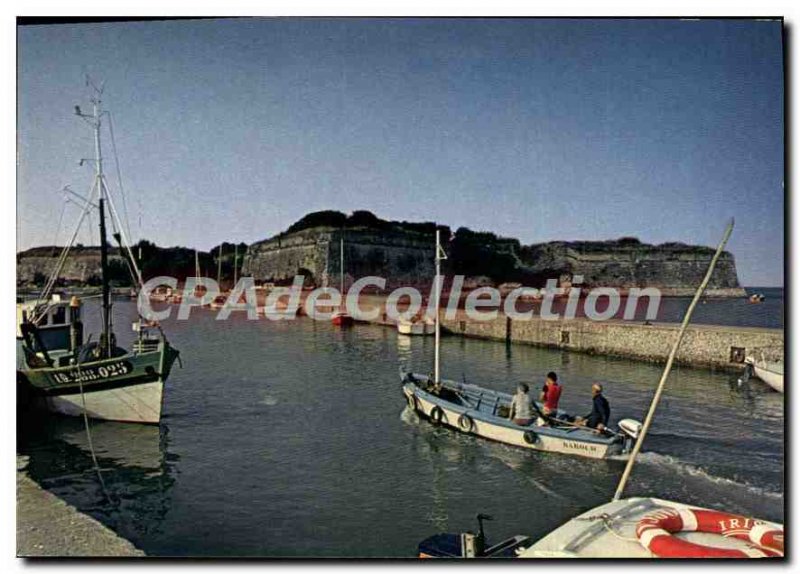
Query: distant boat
[[341, 318], [424, 326], [756, 298], [771, 372]]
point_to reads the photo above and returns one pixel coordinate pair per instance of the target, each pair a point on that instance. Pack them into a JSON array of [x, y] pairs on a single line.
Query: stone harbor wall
[[703, 345]]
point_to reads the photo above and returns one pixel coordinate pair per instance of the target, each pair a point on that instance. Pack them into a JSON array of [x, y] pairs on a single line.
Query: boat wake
[[691, 470]]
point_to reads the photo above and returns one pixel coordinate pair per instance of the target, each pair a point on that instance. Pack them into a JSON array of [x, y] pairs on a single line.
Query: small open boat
[[484, 413], [342, 318], [771, 372], [419, 327]]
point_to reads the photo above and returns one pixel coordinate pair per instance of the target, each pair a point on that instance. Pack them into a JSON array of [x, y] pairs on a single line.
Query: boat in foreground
[[484, 412], [628, 528], [654, 528]]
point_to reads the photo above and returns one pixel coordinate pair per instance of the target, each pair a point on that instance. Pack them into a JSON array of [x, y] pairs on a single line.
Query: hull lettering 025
[[94, 373]]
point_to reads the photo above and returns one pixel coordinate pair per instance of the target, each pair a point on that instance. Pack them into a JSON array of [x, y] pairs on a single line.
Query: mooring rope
[[89, 438]]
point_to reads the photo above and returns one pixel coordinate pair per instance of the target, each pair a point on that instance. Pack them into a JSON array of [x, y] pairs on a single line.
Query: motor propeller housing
[[630, 427]]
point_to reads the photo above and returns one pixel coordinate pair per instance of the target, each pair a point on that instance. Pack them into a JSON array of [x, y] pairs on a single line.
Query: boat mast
[[341, 264], [99, 181], [674, 351], [219, 264], [437, 296], [235, 264]]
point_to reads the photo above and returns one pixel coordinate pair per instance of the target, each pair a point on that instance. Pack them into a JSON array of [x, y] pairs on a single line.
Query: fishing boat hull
[[125, 388], [610, 531], [480, 420], [771, 372]]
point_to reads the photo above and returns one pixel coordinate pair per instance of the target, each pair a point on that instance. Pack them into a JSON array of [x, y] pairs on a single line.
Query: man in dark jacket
[[601, 411]]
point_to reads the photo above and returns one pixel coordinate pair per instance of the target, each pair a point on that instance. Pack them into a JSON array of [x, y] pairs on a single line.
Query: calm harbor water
[[291, 438]]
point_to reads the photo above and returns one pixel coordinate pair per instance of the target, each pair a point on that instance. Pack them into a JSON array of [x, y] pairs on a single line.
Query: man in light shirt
[[521, 412]]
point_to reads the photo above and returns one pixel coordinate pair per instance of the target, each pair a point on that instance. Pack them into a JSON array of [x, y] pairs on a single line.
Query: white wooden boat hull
[[516, 436], [589, 536], [771, 372], [419, 328], [135, 403]]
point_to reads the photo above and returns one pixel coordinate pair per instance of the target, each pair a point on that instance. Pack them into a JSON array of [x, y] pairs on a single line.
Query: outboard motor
[[470, 545], [631, 429]]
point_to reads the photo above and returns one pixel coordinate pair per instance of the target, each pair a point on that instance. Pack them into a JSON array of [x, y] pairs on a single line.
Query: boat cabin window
[[58, 316]]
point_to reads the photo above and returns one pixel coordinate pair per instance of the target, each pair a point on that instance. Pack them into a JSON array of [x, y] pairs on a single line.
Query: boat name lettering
[[579, 445]]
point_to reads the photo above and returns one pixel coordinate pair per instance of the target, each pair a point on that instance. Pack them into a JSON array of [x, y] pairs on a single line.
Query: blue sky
[[536, 129]]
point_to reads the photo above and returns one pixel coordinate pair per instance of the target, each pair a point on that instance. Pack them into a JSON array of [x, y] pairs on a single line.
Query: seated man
[[521, 412], [601, 411], [551, 392]]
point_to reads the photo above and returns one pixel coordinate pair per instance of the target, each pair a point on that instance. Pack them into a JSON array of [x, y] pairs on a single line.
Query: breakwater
[[703, 345]]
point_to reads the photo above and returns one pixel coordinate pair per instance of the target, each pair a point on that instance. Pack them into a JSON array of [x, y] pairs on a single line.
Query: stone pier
[[703, 345]]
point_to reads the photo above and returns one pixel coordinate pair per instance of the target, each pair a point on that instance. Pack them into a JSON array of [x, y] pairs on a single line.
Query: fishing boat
[[771, 372], [57, 368], [484, 412], [341, 318], [472, 409], [639, 527], [423, 326]]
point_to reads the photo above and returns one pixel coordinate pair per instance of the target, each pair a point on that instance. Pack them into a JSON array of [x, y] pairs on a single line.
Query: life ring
[[437, 415], [465, 423], [655, 531], [413, 403], [530, 437]]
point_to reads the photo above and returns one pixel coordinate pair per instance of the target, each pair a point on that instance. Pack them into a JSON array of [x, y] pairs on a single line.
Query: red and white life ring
[[655, 531]]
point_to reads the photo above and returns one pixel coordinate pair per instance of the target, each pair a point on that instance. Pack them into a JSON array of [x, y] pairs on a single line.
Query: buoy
[[465, 423], [655, 533], [437, 415]]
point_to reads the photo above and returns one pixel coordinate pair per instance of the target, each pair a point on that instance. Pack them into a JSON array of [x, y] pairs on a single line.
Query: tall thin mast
[[219, 264], [235, 264], [105, 338], [675, 346], [341, 264], [437, 296]]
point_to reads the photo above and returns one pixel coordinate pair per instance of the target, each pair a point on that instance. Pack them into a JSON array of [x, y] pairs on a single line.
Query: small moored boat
[[771, 372], [419, 327]]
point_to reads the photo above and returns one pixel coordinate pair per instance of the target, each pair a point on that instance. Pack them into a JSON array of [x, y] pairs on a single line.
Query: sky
[[539, 129]]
